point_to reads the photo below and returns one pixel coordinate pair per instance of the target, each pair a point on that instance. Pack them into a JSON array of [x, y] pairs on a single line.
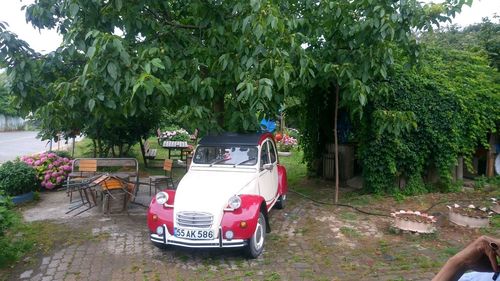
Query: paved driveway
[[308, 241], [14, 144]]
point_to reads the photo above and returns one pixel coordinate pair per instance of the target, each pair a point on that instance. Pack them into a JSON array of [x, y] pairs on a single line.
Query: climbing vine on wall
[[442, 110]]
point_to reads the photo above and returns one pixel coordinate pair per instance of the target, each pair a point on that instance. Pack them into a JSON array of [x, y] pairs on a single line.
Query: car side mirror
[[268, 166]]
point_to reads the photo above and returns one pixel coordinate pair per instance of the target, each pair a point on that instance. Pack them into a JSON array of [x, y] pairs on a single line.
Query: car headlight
[[234, 202], [161, 197]]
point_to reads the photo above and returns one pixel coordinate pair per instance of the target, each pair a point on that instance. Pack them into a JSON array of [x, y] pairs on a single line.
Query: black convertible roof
[[233, 138]]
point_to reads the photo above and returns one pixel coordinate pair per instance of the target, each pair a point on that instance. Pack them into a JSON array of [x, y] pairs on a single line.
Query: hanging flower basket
[[469, 216], [495, 207], [414, 221]]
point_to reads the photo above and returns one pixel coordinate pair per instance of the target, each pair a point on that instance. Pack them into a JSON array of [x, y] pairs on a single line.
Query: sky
[[45, 41]]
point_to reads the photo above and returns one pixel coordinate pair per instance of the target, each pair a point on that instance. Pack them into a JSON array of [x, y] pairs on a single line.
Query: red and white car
[[224, 199]]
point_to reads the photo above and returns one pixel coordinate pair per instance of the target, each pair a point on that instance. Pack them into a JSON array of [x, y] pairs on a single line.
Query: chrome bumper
[[168, 239]]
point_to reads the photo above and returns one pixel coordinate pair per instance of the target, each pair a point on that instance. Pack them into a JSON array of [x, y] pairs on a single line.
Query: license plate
[[194, 234]]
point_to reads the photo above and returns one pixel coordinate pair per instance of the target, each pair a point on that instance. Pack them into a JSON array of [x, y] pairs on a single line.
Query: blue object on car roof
[[268, 125]]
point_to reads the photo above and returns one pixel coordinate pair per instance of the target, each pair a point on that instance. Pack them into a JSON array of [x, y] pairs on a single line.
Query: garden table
[[175, 145]]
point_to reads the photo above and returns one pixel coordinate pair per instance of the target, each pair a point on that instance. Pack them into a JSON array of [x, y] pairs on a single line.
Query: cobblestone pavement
[[307, 242]]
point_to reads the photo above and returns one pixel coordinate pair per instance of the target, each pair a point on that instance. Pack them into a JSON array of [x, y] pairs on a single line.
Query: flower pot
[[496, 208], [284, 153], [414, 222], [459, 216], [23, 198]]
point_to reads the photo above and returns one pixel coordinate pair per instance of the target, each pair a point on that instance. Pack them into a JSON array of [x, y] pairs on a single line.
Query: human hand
[[481, 255]]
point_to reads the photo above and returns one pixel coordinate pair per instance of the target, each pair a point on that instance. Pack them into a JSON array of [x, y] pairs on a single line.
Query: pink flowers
[[287, 143], [51, 169]]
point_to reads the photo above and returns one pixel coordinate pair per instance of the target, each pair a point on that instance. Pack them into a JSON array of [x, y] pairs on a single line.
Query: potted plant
[[286, 144], [414, 221], [469, 216], [18, 180]]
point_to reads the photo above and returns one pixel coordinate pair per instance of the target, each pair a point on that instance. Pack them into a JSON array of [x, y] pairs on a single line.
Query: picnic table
[[175, 145]]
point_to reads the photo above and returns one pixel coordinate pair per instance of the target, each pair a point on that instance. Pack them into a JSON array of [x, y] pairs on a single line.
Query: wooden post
[[490, 157], [336, 143]]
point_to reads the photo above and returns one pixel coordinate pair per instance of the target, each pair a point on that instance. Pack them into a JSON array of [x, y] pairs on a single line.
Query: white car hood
[[208, 190]]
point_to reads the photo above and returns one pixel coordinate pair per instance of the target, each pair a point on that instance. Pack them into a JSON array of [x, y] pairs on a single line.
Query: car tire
[[256, 242], [280, 204]]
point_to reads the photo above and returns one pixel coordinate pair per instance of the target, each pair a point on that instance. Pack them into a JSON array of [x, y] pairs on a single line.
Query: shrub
[[51, 169], [8, 219], [62, 153], [6, 213], [17, 178]]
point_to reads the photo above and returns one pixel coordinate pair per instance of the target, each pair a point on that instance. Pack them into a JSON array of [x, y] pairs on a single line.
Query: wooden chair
[[155, 181], [149, 153], [86, 168]]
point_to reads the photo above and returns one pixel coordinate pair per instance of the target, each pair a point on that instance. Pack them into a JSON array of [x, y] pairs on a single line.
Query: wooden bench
[[149, 153]]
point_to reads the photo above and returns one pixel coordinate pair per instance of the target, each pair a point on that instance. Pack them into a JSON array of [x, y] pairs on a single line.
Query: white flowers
[[427, 218]]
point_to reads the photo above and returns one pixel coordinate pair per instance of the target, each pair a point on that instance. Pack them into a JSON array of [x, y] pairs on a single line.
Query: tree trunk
[[219, 110], [94, 146], [143, 153], [336, 143]]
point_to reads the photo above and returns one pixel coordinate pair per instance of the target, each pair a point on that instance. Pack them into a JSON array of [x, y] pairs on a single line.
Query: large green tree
[[224, 63], [354, 45]]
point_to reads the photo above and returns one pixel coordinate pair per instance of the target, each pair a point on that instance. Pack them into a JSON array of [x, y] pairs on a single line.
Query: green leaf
[[112, 70], [268, 92], [118, 4], [383, 72], [258, 31], [91, 105], [158, 63], [91, 52], [73, 9], [240, 86], [245, 23], [110, 104], [255, 5]]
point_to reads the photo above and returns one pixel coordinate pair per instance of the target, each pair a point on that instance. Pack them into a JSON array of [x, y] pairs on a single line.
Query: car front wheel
[[256, 242]]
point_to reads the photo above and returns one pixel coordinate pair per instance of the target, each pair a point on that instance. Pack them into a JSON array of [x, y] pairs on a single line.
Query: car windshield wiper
[[217, 161], [243, 162]]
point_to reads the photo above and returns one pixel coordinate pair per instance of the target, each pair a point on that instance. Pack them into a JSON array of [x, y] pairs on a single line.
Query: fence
[[10, 123]]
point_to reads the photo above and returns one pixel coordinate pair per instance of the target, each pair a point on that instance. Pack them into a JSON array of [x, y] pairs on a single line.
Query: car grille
[[194, 219]]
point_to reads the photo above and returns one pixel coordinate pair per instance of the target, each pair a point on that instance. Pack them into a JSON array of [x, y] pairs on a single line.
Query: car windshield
[[226, 155]]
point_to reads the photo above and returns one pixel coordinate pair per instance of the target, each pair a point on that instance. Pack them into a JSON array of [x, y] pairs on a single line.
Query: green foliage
[[6, 100], [453, 103], [481, 37], [17, 178], [6, 213], [204, 62], [62, 153], [9, 220]]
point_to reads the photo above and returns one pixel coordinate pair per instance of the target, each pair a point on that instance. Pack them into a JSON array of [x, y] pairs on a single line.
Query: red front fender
[[159, 214], [248, 213]]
